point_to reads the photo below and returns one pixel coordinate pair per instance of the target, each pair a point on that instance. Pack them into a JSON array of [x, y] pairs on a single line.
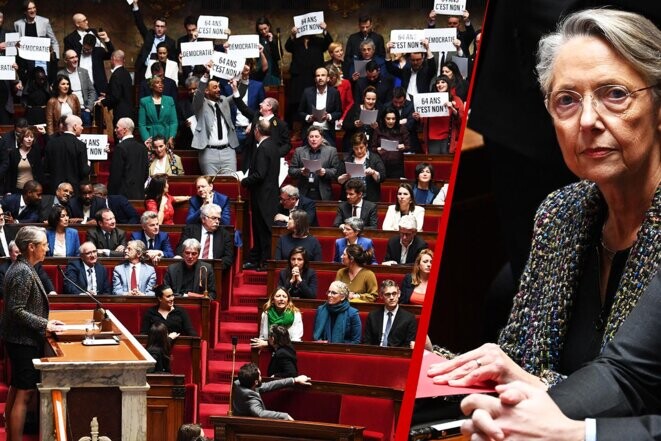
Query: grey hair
[[147, 216], [355, 223], [87, 242], [138, 245], [191, 243], [408, 222], [208, 208], [127, 123], [367, 42], [341, 287], [191, 80], [290, 191], [635, 38], [27, 235]]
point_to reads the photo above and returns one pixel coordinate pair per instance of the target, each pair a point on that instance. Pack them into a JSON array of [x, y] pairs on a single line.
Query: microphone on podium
[[100, 314], [235, 341]]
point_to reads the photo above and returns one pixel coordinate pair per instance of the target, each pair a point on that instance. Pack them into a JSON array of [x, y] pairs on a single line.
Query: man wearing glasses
[[390, 326], [87, 273], [290, 199], [215, 242]]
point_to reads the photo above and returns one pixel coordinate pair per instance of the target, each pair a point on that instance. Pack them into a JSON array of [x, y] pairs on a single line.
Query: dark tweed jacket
[[25, 316]]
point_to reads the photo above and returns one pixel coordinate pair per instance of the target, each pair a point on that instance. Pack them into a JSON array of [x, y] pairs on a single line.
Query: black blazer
[[263, 180], [148, 38], [35, 158], [12, 204], [394, 249], [174, 277], [119, 96], [117, 238], [66, 160], [223, 246], [283, 363], [333, 106], [402, 331], [423, 79], [279, 131], [368, 214], [129, 169], [306, 204], [76, 271]]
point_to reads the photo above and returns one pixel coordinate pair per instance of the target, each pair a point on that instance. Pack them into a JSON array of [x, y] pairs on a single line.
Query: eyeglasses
[[390, 294], [213, 218], [89, 253], [332, 293], [614, 99]]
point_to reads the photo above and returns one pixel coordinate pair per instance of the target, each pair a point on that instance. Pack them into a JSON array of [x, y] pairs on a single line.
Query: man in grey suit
[[246, 398], [81, 85], [214, 134], [315, 185], [41, 24], [134, 278]]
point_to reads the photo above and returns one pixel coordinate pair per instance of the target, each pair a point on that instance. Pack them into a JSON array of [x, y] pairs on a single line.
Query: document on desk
[[389, 145], [312, 164], [74, 327], [355, 170], [427, 388]]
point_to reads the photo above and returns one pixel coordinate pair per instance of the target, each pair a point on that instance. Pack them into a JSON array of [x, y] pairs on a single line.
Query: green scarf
[[285, 318]]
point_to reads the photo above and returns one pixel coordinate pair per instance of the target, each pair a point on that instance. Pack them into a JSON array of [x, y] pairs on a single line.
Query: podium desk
[[107, 382]]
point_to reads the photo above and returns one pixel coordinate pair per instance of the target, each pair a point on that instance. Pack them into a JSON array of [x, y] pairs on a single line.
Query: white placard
[[441, 39], [130, 2], [360, 66], [246, 46], [210, 26], [309, 24], [11, 38], [407, 41], [431, 104], [368, 117], [96, 146], [389, 145], [450, 7], [355, 170], [193, 123], [7, 71], [462, 64], [34, 48], [197, 52], [227, 66]]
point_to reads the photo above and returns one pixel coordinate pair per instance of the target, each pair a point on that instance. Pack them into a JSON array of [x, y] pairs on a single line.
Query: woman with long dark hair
[[298, 228], [159, 346], [442, 132], [270, 43], [405, 205], [390, 129], [283, 360], [159, 200], [62, 103], [279, 310], [62, 240], [298, 278]]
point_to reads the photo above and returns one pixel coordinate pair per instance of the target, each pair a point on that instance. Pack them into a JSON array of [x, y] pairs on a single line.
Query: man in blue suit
[[119, 204], [134, 278], [207, 195], [158, 242], [24, 207], [87, 273]]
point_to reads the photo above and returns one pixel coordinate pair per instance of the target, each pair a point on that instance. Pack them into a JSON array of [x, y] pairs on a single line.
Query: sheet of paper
[[196, 52], [449, 7], [11, 38], [74, 327], [355, 170], [96, 146], [427, 388], [387, 144], [309, 24], [213, 27], [407, 41], [193, 123], [7, 71], [359, 66], [368, 116], [431, 104], [319, 114], [246, 46], [284, 171], [312, 164], [35, 48]]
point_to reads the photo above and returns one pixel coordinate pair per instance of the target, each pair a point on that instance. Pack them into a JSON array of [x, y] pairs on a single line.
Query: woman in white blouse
[[405, 205]]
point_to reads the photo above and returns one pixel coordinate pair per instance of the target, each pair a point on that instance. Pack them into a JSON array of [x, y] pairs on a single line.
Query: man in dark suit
[[290, 200], [74, 40], [356, 206], [7, 233], [185, 276], [151, 37], [108, 239], [352, 48], [391, 326], [157, 242], [424, 66], [129, 168], [373, 77], [251, 93], [13, 253], [66, 155], [87, 273], [94, 56], [246, 398], [262, 181], [120, 206], [119, 97], [23, 207], [404, 109], [333, 107], [62, 197], [219, 247], [406, 240], [185, 111]]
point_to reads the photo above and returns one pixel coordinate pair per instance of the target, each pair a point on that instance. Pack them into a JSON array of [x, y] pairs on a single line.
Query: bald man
[[66, 156]]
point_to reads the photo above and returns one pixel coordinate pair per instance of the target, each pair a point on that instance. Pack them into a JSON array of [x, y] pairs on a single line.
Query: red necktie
[[207, 245], [134, 279]]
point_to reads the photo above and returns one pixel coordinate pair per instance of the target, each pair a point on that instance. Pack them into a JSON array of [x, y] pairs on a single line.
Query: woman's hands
[[258, 343], [486, 363]]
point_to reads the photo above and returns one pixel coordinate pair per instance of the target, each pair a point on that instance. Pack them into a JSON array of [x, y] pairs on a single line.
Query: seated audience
[[134, 278], [405, 205], [157, 242], [163, 159], [391, 325], [298, 279], [87, 273], [62, 197], [280, 310], [215, 242], [424, 190], [175, 319], [352, 230], [283, 359], [23, 207], [246, 390], [109, 240], [404, 248], [187, 278], [315, 185], [375, 171], [361, 281], [414, 285], [14, 252], [62, 240], [298, 236], [159, 200], [356, 205], [118, 203], [336, 320], [207, 195], [390, 129], [290, 199], [159, 346]]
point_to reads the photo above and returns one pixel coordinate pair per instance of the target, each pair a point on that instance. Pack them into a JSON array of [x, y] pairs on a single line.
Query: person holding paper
[[366, 55], [321, 105], [151, 38], [373, 167], [354, 124], [272, 47], [465, 30], [390, 130], [365, 32], [417, 74], [315, 185], [442, 132], [33, 25], [458, 84]]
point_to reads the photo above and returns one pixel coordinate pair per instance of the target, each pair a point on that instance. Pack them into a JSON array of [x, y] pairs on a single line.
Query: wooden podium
[[107, 382]]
